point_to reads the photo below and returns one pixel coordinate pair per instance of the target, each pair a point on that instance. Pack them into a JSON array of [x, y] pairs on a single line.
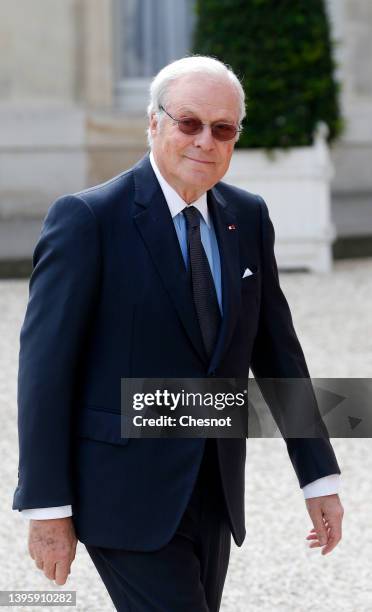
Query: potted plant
[[282, 52]]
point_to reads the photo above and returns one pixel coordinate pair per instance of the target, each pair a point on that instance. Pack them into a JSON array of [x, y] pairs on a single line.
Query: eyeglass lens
[[220, 131]]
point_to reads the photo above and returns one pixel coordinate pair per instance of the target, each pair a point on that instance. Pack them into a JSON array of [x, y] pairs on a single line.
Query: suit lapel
[[155, 224], [225, 224]]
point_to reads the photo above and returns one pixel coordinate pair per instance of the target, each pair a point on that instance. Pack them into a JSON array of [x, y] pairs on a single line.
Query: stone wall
[[59, 131], [352, 185]]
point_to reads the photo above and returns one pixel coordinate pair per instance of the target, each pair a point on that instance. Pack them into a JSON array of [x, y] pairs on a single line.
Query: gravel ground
[[274, 570]]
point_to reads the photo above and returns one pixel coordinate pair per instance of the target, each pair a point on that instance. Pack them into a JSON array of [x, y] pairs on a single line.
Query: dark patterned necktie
[[203, 287]]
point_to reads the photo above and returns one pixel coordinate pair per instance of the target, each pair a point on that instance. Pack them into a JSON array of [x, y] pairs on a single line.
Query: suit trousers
[[188, 573]]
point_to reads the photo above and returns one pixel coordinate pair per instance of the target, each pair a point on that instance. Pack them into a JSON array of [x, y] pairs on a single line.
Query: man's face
[[193, 164]]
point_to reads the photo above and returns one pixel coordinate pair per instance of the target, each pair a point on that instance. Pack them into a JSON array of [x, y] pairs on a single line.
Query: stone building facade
[[72, 110]]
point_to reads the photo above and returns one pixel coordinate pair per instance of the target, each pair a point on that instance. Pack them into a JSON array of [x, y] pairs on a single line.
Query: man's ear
[[154, 123]]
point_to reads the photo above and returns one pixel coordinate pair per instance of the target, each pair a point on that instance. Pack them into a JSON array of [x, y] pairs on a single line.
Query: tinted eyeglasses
[[192, 126]]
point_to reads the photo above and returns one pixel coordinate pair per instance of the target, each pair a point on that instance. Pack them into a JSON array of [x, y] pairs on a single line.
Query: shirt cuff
[[328, 485], [47, 513]]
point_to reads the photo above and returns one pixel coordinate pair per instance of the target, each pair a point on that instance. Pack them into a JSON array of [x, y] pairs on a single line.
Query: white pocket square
[[247, 272]]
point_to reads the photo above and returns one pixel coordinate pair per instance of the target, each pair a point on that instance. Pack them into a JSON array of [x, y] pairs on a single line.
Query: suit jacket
[[109, 298]]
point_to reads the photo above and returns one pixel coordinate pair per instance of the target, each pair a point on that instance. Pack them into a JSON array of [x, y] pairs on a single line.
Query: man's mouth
[[199, 161]]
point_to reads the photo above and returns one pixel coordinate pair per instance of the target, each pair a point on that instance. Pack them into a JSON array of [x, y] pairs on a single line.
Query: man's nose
[[205, 139]]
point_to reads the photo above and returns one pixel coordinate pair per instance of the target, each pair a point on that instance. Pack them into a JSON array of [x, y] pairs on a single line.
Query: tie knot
[[192, 216]]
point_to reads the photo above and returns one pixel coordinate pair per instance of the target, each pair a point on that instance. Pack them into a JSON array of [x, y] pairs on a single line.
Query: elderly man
[[163, 271]]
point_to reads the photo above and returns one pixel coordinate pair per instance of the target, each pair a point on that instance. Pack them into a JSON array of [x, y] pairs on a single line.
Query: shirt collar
[[175, 202]]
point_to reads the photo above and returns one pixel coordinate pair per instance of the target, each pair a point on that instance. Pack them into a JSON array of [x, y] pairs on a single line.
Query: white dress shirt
[[327, 485]]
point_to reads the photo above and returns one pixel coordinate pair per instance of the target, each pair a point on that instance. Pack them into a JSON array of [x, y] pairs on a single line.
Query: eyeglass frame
[[238, 129]]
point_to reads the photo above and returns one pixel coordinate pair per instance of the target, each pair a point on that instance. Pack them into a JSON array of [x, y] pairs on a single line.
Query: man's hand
[[52, 545], [326, 513]]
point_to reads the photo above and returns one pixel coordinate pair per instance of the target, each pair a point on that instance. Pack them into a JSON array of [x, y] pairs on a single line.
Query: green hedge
[[282, 52]]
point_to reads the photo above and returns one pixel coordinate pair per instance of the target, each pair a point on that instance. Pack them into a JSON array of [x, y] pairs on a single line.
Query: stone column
[[352, 186], [97, 52]]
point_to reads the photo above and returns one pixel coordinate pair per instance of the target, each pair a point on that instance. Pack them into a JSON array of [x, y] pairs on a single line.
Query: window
[[149, 34]]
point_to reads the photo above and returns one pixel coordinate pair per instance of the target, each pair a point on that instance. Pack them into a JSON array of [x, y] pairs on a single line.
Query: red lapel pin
[[231, 227]]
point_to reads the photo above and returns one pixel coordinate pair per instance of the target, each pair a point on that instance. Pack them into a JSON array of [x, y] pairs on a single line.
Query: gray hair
[[194, 64]]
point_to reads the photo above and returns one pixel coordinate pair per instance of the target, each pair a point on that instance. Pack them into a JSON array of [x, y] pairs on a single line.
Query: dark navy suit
[[110, 298]]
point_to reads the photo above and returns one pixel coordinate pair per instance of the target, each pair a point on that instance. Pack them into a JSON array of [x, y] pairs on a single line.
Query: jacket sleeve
[[279, 366], [62, 292]]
